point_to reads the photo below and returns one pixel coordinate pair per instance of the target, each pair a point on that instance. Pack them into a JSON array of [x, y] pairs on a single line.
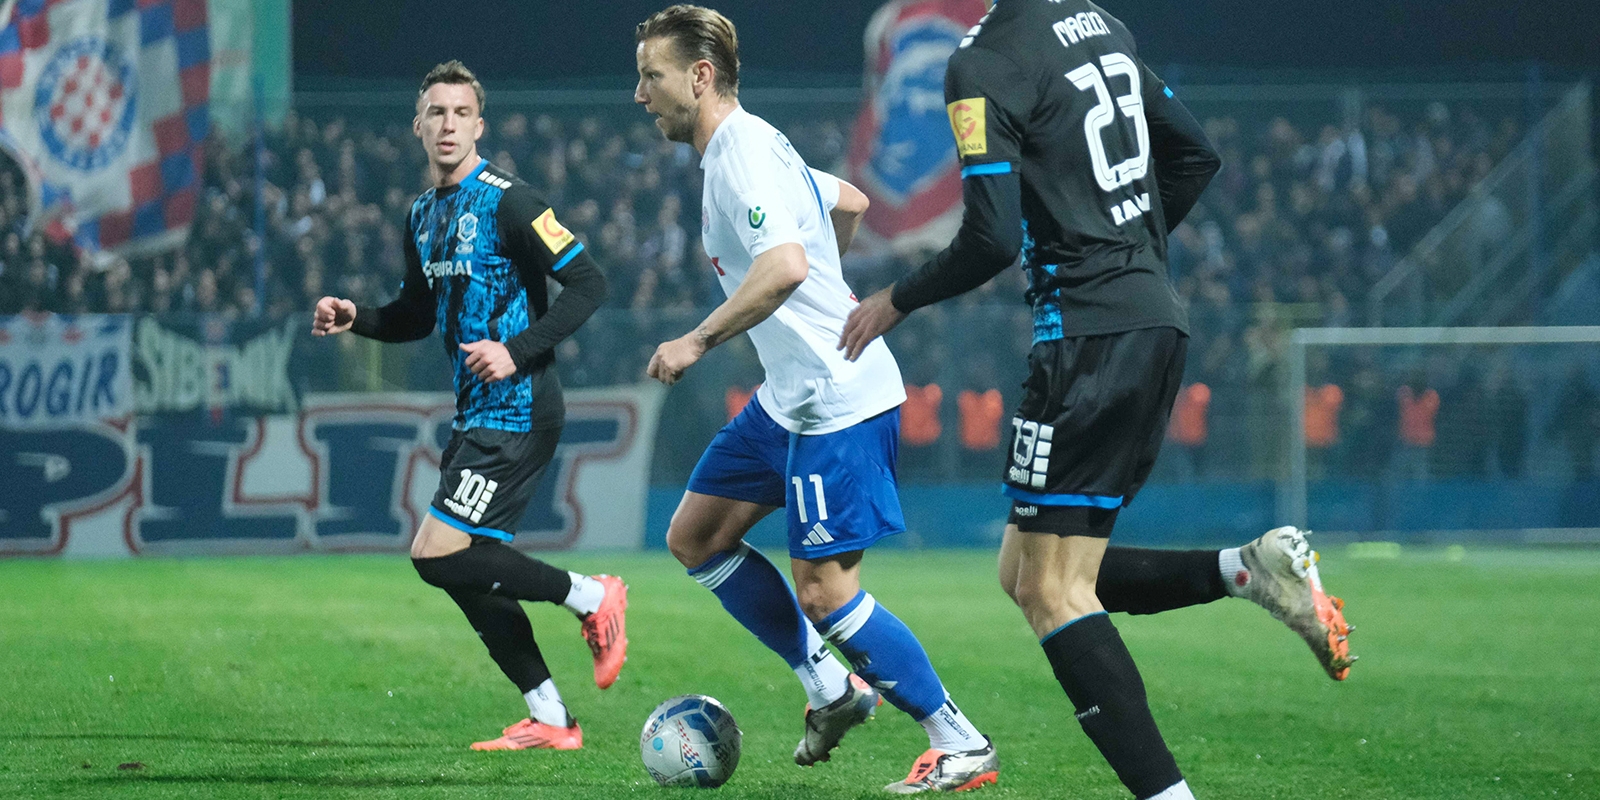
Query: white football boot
[[826, 726], [1283, 579], [944, 771]]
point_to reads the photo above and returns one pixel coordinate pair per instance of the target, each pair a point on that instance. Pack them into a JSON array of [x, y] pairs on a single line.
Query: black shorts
[[1094, 411], [487, 477]]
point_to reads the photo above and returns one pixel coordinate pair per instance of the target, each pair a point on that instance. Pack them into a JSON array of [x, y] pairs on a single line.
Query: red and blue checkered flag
[[106, 100]]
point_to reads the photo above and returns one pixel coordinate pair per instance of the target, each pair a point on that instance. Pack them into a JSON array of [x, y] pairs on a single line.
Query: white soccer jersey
[[760, 194]]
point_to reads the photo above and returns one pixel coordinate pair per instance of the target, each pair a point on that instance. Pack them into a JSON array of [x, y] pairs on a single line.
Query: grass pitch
[[333, 676]]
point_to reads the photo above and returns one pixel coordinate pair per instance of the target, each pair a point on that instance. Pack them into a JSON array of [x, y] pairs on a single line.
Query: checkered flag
[[107, 102]]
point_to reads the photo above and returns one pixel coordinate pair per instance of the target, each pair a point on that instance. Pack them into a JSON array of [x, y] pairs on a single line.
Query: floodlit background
[[1389, 285]]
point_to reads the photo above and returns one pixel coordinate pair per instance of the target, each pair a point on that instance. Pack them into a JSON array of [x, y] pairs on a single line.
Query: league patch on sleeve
[[551, 232], [969, 121]]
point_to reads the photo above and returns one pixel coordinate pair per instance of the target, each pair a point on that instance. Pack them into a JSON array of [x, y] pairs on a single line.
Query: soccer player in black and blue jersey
[[479, 245], [1076, 155]]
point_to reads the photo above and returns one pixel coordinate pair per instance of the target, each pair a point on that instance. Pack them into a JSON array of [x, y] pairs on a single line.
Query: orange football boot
[[530, 735], [606, 631]]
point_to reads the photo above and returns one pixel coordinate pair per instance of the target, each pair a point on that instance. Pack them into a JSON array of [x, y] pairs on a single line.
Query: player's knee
[[816, 601], [1028, 595], [690, 550], [1052, 599], [429, 570]]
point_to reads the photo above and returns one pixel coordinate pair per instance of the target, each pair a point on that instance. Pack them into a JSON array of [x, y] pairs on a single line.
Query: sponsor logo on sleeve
[[757, 218], [969, 121], [551, 232]]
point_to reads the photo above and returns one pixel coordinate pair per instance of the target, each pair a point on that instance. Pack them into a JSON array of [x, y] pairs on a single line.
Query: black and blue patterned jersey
[[478, 253], [1074, 153]]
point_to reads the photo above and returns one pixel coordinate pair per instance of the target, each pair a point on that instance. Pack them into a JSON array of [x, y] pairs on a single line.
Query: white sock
[[950, 730], [585, 595], [1177, 791], [544, 705], [824, 678], [1234, 573]]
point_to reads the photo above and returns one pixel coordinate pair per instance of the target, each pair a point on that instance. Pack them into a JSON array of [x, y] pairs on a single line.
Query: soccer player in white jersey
[[820, 437]]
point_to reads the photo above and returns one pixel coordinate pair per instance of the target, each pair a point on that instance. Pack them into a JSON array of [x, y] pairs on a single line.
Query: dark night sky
[[540, 41]]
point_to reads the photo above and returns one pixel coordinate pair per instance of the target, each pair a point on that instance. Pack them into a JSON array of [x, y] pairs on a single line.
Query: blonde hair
[[698, 34]]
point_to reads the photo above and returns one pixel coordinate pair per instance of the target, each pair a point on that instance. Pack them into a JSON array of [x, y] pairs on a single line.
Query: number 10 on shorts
[[800, 497]]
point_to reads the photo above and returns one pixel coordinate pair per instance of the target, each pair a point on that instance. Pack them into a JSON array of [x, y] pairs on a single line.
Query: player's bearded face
[[449, 123], [666, 89]]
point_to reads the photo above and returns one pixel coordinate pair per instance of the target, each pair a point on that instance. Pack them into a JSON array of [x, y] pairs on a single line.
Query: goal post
[[1575, 346]]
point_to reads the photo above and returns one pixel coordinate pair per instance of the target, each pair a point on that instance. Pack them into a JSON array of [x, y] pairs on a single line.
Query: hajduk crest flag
[[104, 102], [902, 152]]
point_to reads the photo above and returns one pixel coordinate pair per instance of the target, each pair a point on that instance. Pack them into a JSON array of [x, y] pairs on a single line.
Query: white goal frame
[[1292, 487]]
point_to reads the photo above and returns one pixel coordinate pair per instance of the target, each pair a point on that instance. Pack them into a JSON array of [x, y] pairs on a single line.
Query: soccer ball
[[690, 740]]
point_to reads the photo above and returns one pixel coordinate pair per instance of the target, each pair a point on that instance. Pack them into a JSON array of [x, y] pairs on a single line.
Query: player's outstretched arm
[[410, 317], [333, 315], [988, 98], [989, 240], [773, 276]]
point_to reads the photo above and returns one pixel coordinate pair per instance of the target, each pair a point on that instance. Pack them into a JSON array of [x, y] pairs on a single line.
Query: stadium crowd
[[1305, 216]]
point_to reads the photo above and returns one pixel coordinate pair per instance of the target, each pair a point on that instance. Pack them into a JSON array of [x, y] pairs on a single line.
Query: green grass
[[345, 675]]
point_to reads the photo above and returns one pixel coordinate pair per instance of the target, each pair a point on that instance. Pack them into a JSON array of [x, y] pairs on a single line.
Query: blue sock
[[885, 652], [755, 593]]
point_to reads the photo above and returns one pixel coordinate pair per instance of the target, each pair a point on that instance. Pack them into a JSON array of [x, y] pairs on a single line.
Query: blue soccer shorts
[[838, 489]]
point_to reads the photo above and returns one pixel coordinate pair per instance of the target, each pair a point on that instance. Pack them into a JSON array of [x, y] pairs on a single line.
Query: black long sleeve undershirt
[[410, 317], [583, 290], [1185, 160], [989, 240]]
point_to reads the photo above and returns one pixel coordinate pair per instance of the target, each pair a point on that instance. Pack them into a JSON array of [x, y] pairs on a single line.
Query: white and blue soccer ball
[[690, 740]]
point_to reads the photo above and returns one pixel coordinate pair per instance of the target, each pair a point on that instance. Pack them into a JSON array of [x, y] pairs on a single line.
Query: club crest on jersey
[[969, 122], [466, 232], [551, 231], [757, 218]]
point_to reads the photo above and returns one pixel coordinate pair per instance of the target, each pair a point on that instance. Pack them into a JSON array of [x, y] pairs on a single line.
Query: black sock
[[1098, 674], [1144, 581], [504, 629], [492, 567]]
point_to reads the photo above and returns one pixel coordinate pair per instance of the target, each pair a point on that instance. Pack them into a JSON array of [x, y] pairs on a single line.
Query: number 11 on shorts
[[800, 497]]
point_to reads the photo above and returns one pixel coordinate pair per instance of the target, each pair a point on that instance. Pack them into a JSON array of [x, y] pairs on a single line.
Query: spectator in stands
[[1189, 429], [1323, 404], [1576, 422], [1370, 422], [1509, 407], [1464, 432], [920, 425], [1419, 408], [1317, 209], [981, 414]]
